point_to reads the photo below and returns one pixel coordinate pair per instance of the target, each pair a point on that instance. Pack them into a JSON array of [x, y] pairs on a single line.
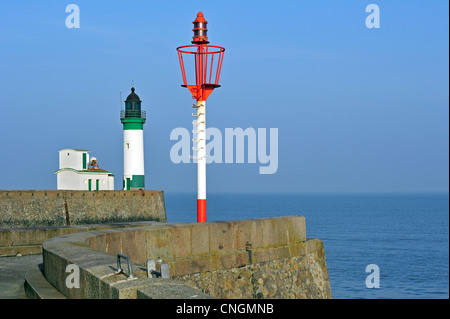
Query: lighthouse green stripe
[[137, 181], [133, 126], [133, 123]]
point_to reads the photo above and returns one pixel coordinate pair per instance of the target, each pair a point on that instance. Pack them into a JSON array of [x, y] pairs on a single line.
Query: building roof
[[100, 171], [133, 97], [74, 149]]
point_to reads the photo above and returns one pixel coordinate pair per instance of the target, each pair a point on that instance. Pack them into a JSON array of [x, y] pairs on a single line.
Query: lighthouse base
[[135, 182]]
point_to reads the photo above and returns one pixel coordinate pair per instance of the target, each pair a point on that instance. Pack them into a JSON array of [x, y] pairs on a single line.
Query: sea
[[402, 239]]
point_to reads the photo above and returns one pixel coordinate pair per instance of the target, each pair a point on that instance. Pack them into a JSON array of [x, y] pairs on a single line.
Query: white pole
[[201, 162]]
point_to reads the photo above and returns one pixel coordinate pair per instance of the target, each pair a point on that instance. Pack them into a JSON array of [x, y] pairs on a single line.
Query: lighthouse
[[133, 119]]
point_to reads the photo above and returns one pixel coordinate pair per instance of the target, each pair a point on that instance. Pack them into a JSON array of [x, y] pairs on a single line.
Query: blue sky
[[357, 109]]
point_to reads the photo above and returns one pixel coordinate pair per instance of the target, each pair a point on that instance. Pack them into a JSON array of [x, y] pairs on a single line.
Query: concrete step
[[37, 287]]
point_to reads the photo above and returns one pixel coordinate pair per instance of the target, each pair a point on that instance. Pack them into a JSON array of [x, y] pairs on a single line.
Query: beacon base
[[201, 210]]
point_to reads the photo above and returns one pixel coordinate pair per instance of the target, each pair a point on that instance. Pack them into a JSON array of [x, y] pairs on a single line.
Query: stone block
[[260, 255], [97, 242], [113, 241], [298, 249], [7, 237], [220, 237], [200, 239], [134, 243], [296, 229], [180, 267], [312, 245], [159, 241], [181, 245], [200, 264], [283, 252], [274, 232], [242, 259], [247, 234], [227, 261]]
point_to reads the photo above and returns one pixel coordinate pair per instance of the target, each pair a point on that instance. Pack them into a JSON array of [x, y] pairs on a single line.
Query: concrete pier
[[259, 258], [251, 259]]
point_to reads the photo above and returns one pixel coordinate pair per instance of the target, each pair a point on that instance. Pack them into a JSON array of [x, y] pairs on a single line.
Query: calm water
[[407, 236]]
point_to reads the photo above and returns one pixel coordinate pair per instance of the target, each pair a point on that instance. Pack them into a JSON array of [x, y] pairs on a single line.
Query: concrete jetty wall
[[258, 258], [28, 241], [43, 208]]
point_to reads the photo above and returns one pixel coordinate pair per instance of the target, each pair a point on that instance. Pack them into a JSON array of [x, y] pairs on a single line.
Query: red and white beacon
[[207, 61]]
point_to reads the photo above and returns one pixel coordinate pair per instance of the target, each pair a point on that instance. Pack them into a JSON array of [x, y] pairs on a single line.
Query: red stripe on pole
[[201, 210]]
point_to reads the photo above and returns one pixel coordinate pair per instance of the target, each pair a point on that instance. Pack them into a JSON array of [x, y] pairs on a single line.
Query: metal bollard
[[151, 270], [119, 265], [165, 271]]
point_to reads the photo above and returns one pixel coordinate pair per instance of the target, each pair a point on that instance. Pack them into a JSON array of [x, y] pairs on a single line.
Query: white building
[[77, 172]]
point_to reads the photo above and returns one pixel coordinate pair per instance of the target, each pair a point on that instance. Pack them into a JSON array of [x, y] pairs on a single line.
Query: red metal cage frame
[[204, 61]]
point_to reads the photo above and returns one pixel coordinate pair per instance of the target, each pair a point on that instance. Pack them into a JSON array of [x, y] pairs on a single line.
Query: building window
[[84, 160]]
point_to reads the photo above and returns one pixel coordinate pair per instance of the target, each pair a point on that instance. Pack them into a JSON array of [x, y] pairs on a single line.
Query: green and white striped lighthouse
[[133, 119]]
